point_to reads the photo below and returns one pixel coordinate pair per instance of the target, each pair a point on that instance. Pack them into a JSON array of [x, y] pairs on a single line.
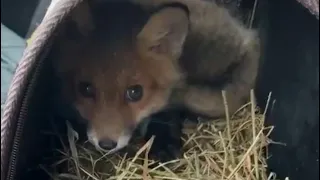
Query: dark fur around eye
[[86, 89], [134, 93]]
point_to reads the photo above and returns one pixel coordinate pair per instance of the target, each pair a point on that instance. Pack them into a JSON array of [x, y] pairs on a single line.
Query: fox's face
[[114, 86]]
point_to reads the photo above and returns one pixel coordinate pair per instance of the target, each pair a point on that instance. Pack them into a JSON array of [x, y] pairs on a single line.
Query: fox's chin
[[122, 142]]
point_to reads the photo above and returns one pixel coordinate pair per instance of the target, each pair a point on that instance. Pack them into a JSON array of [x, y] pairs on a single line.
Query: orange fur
[[161, 52], [112, 67]]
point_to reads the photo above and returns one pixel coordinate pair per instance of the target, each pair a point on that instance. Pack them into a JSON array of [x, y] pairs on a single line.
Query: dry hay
[[231, 148]]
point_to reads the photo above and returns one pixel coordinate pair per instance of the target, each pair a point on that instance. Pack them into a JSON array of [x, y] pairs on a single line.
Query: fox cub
[[123, 63]]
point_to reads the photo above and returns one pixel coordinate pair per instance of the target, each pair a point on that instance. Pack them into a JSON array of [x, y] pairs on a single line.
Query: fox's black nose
[[107, 144]]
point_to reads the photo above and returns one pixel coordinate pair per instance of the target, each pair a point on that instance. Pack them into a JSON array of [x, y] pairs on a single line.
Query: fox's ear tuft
[[165, 32]]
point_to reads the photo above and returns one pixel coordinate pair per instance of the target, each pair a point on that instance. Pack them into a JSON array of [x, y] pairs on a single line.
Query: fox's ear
[[165, 32], [81, 21]]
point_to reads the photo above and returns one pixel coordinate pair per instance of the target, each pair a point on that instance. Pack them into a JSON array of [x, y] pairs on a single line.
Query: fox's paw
[[165, 149], [167, 129]]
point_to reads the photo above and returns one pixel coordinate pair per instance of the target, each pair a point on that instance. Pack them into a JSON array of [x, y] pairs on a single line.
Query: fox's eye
[[86, 89], [134, 93]]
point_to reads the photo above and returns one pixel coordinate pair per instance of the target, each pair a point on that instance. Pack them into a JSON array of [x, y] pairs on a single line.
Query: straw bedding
[[231, 148]]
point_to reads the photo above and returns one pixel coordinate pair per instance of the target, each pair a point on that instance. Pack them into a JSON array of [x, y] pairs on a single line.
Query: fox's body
[[218, 52], [116, 76]]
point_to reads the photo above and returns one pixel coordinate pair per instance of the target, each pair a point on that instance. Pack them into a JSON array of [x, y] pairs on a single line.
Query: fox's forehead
[[110, 66], [102, 54]]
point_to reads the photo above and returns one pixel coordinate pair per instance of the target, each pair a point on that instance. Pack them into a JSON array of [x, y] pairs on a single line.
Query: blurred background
[[19, 19]]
